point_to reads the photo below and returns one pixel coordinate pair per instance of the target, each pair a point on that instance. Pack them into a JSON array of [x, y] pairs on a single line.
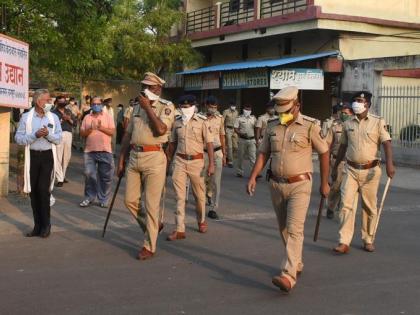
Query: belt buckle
[[189, 157]]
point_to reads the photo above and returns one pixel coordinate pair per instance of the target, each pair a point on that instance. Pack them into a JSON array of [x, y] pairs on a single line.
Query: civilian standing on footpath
[[360, 145], [98, 128], [63, 150], [40, 131], [289, 141], [146, 134]]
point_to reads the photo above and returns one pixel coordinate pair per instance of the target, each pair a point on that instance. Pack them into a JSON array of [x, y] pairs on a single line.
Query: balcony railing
[[201, 20], [236, 12], [271, 8]]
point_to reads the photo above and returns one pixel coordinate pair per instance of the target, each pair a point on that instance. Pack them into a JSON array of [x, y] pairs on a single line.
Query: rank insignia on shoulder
[[163, 101], [178, 117], [201, 116], [50, 125]]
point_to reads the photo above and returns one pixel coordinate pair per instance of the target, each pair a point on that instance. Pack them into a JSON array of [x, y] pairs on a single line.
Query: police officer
[[261, 124], [327, 124], [191, 133], [290, 141], [360, 145], [213, 182], [333, 140], [230, 115], [245, 128], [149, 128]]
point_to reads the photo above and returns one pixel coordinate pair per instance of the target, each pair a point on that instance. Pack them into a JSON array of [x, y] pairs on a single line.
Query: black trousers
[[42, 165]]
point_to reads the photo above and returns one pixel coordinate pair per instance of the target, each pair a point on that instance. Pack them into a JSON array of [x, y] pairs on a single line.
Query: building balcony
[[224, 16]]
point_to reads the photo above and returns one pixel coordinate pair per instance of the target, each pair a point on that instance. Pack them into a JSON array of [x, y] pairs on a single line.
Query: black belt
[[246, 138], [214, 149], [41, 152]]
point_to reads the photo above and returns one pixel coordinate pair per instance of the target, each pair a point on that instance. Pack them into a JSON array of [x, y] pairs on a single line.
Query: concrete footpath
[[226, 271]]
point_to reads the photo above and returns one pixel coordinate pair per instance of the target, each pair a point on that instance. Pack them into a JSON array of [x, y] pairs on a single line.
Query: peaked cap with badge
[[285, 98], [152, 79]]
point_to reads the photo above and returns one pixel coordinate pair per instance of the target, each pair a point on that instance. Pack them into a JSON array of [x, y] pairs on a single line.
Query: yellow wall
[[4, 150], [395, 81], [398, 10]]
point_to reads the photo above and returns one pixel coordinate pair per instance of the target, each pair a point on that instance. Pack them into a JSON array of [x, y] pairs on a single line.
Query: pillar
[[4, 150]]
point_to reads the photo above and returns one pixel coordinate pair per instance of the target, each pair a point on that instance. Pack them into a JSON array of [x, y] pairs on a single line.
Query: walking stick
[[111, 205], [388, 182], [318, 219]]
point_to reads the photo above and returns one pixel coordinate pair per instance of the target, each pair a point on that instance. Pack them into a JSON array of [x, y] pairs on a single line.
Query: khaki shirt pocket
[[300, 142], [197, 133], [373, 137]]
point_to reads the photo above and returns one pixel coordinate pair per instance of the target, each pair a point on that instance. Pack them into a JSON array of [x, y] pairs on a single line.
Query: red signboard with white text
[[14, 72]]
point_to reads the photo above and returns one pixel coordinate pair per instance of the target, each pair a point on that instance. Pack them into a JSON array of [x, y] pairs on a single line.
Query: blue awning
[[259, 63]]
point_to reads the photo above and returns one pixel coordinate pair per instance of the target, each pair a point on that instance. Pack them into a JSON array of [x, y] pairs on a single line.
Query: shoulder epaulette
[[166, 102], [375, 116], [313, 120], [178, 117], [219, 115], [201, 116], [272, 121]]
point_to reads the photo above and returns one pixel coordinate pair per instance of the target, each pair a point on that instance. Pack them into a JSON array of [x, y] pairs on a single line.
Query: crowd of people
[[157, 139]]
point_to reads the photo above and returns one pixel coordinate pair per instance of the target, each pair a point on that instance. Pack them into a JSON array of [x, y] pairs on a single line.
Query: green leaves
[[74, 40]]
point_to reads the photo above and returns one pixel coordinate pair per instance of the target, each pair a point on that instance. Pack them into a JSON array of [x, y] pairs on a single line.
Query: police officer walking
[[245, 128], [230, 115], [289, 141], [191, 133], [262, 121], [360, 145], [213, 182], [148, 129], [333, 140]]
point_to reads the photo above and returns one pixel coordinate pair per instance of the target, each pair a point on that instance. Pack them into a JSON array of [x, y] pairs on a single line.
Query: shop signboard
[[255, 78], [304, 79]]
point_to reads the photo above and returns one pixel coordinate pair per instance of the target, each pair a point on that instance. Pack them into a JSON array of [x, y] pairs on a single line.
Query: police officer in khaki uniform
[[148, 130], [289, 141], [360, 144], [245, 128], [230, 115], [333, 139], [191, 133], [213, 182], [262, 121]]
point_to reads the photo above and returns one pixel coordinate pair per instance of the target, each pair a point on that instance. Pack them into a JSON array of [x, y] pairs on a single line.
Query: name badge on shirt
[[49, 125]]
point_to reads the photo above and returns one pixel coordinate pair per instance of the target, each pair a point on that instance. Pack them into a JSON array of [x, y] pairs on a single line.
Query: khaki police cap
[[152, 79], [285, 98]]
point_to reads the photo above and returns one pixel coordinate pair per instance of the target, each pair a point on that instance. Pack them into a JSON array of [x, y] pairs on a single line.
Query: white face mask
[[247, 113], [150, 95], [187, 113], [233, 108], [48, 107], [358, 108]]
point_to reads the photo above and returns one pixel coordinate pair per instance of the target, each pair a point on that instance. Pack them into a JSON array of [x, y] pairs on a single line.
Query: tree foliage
[[74, 40]]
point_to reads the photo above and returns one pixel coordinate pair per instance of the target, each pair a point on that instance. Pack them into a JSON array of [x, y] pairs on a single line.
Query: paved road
[[227, 271]]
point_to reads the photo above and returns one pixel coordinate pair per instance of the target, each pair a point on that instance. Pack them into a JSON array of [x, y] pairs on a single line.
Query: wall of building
[[4, 150], [397, 81], [397, 10]]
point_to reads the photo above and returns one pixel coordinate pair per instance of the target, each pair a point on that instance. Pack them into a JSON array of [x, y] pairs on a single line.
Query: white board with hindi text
[[14, 72]]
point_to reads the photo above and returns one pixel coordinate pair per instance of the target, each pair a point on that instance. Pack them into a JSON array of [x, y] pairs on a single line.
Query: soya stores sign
[[255, 78], [304, 79], [14, 72]]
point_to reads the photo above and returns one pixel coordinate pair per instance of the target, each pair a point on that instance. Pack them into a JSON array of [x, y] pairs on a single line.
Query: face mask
[[247, 113], [211, 111], [344, 117], [285, 118], [119, 109], [48, 107], [97, 108], [358, 108], [187, 113], [233, 108], [61, 105], [150, 95]]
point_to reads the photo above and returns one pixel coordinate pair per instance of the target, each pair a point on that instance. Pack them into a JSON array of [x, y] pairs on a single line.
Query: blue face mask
[[97, 108]]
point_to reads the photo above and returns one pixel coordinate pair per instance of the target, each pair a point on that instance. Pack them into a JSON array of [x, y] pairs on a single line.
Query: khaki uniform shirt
[[230, 117], [291, 146], [364, 137], [245, 125], [192, 137], [217, 123], [128, 112], [262, 122], [139, 126], [334, 135]]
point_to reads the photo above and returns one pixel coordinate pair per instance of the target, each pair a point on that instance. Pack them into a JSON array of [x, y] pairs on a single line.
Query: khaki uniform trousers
[[365, 182], [291, 202], [63, 151], [146, 173], [231, 143], [213, 182], [194, 170], [246, 149], [335, 193]]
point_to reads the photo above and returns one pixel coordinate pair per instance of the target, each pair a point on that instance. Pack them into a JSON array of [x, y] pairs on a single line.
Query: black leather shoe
[[33, 233], [45, 232], [330, 214], [59, 184], [213, 215]]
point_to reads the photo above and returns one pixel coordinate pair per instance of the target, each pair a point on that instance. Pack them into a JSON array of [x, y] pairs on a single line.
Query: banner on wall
[[255, 78], [304, 79], [14, 72]]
